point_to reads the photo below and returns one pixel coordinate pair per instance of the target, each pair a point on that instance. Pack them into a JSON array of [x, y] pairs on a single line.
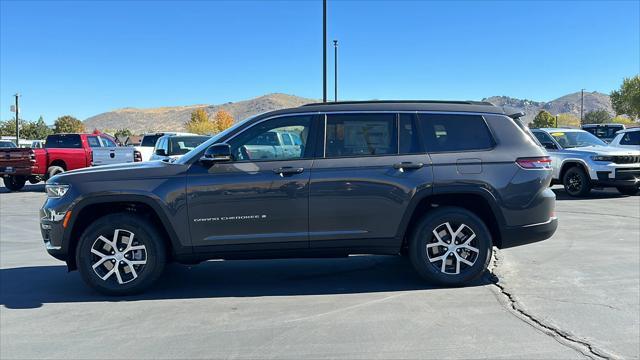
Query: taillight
[[32, 156], [542, 162], [137, 156]]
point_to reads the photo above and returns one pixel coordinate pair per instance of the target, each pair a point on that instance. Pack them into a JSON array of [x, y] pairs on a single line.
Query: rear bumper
[[15, 172], [526, 234]]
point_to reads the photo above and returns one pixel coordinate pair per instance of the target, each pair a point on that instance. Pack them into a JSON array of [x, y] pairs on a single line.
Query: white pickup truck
[[149, 140], [275, 144]]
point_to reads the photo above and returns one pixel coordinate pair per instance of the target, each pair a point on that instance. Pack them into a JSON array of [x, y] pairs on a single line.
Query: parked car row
[[65, 152]]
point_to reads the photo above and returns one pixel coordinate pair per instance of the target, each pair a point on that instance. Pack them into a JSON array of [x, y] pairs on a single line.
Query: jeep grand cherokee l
[[581, 161], [442, 182]]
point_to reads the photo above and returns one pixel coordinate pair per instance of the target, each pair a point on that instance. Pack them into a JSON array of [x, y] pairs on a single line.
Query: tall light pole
[[581, 106], [324, 50], [335, 70], [17, 95]]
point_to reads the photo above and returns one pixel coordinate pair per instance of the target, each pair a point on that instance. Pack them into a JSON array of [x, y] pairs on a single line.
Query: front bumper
[[526, 234], [610, 174], [52, 230]]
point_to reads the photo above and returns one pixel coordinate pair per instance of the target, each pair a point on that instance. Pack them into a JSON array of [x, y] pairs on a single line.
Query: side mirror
[[217, 153], [550, 146], [161, 152]]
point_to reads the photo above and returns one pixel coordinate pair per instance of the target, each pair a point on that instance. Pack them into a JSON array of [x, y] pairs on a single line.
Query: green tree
[[122, 133], [8, 127], [200, 123], [626, 100], [543, 119], [39, 130], [68, 124], [596, 117]]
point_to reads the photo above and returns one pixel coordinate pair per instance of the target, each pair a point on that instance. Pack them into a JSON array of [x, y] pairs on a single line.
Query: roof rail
[[402, 102]]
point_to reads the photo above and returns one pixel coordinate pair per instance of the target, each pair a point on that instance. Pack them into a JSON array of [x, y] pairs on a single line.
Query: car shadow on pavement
[[561, 194], [27, 188], [31, 287]]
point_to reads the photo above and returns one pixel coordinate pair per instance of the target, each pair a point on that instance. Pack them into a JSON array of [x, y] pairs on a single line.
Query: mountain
[[568, 104], [173, 118]]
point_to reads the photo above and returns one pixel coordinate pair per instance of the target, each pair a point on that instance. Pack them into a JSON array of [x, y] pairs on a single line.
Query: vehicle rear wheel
[[576, 182], [120, 254], [34, 179], [53, 171], [628, 190], [450, 246], [14, 183]]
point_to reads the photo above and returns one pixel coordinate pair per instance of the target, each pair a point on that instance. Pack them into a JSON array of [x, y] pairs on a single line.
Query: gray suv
[[441, 182]]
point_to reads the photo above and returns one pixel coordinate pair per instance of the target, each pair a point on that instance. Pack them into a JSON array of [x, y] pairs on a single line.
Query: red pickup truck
[[64, 152], [16, 165]]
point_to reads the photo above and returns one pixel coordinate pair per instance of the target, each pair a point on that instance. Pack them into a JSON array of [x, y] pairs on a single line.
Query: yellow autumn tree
[[200, 123], [223, 120], [569, 120]]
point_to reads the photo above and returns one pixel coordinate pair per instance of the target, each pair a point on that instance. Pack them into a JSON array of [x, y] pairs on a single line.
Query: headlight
[[602, 158], [55, 191]]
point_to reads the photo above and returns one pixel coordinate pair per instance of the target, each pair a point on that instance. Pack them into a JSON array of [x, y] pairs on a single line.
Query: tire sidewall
[[143, 232], [423, 232], [584, 179], [53, 171]]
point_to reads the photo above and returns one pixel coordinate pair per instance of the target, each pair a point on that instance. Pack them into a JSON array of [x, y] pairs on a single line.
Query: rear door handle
[[406, 165], [288, 170]]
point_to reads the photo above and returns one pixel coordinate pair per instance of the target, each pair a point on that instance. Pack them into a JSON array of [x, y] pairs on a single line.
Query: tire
[[34, 180], [53, 171], [576, 182], [425, 254], [147, 257], [628, 190], [14, 183]]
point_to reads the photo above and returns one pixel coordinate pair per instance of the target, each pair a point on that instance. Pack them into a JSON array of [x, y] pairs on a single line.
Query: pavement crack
[[561, 336]]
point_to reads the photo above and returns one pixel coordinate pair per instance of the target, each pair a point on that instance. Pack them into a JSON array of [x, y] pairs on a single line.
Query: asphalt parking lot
[[576, 295]]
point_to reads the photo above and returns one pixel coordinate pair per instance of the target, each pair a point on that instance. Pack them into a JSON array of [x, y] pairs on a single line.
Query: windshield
[[7, 144], [605, 132], [188, 156], [571, 139], [630, 138]]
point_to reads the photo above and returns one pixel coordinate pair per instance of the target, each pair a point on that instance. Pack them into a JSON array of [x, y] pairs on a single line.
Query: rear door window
[[361, 135], [64, 141], [452, 132]]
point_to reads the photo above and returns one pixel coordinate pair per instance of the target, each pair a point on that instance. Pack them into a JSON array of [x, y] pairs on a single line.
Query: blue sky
[[86, 57]]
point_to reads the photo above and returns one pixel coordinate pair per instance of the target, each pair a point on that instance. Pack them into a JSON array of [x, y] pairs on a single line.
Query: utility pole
[[335, 70], [556, 120], [324, 51], [581, 106], [17, 95]]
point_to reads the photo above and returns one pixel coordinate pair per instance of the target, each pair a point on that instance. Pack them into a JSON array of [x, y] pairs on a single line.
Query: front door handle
[[288, 170], [406, 165]]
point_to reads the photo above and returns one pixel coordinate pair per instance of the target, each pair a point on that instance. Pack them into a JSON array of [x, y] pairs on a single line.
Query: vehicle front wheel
[[14, 183], [629, 190], [450, 246], [576, 182], [120, 254]]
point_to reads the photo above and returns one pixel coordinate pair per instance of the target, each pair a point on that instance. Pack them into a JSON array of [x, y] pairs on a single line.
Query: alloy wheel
[[452, 252], [122, 257], [574, 183]]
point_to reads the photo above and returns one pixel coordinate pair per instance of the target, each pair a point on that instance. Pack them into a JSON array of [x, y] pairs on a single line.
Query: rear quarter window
[[451, 132]]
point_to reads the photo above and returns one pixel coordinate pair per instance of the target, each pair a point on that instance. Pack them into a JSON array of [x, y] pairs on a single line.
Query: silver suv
[[581, 161]]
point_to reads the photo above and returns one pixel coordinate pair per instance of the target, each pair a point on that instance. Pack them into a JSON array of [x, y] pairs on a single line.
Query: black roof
[[397, 105]]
